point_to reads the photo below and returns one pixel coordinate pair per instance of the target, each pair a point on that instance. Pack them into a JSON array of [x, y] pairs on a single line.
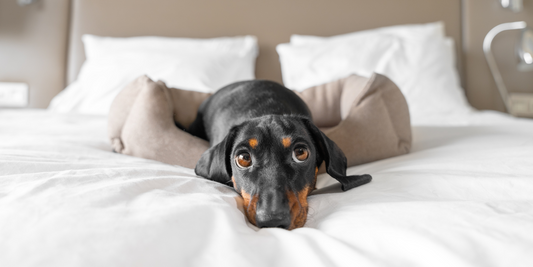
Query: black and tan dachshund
[[265, 145]]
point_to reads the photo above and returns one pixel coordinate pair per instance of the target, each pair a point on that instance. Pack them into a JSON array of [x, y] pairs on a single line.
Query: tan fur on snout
[[299, 207], [297, 204], [250, 206]]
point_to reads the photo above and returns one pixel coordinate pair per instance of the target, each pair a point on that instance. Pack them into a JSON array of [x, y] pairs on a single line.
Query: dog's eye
[[300, 154], [243, 160]]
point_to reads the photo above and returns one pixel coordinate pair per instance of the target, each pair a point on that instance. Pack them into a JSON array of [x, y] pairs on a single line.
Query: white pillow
[[307, 65], [418, 58], [203, 65]]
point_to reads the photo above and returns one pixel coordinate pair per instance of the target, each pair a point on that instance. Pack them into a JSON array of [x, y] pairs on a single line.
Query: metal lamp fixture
[[518, 104]]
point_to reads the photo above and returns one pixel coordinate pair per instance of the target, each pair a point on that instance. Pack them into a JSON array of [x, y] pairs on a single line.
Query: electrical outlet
[[521, 104], [13, 94]]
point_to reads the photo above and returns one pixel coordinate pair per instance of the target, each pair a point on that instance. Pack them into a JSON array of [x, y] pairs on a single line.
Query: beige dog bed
[[367, 118]]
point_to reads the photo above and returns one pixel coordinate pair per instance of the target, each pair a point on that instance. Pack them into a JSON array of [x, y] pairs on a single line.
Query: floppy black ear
[[334, 158], [215, 163]]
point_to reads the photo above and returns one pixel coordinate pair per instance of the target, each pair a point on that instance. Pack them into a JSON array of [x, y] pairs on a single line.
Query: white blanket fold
[[463, 197]]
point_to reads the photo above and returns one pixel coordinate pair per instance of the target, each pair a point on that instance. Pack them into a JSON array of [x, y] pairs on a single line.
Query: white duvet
[[462, 197]]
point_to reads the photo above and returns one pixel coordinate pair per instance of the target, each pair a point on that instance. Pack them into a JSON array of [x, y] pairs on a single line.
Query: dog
[[264, 144]]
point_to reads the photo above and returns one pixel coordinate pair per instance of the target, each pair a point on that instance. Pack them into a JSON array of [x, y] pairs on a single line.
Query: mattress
[[462, 197]]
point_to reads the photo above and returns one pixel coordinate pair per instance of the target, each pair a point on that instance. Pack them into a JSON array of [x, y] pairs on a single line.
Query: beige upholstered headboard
[[271, 21]]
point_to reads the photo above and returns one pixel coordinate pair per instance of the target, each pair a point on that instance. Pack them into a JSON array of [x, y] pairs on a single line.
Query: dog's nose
[[279, 220], [273, 210]]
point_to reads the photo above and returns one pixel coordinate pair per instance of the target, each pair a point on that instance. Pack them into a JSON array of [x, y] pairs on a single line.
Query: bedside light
[[25, 2], [514, 5], [525, 50], [518, 104]]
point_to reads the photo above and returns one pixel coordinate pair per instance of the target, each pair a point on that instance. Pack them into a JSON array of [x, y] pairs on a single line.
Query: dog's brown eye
[[300, 154], [243, 160]]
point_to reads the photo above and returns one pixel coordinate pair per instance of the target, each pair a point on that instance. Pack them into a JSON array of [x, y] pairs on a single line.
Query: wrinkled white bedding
[[463, 197]]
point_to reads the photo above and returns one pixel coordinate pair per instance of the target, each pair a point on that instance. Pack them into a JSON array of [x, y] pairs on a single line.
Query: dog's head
[[273, 161]]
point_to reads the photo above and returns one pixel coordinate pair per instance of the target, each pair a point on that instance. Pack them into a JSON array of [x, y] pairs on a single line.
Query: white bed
[[462, 197]]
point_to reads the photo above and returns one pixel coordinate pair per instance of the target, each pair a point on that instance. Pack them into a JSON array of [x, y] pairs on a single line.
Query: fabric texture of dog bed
[[367, 118]]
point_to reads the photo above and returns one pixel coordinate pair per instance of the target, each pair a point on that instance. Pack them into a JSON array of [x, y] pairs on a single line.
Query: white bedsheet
[[463, 197]]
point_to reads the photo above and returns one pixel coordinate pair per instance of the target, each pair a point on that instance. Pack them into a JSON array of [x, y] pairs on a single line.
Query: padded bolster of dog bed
[[141, 123], [367, 118]]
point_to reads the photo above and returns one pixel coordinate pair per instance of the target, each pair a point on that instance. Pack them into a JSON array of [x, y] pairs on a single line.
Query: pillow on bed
[[203, 65], [418, 58]]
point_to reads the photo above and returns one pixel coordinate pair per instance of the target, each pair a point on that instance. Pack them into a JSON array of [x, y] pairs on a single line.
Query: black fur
[[268, 112]]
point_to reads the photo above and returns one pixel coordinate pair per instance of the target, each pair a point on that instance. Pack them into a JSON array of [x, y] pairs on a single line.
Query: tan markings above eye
[[300, 154], [243, 160], [286, 142], [253, 143]]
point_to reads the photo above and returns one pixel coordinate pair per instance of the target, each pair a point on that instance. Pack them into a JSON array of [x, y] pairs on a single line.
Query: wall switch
[[13, 94], [521, 104]]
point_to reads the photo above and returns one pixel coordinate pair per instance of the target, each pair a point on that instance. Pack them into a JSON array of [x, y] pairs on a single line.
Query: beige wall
[[33, 47], [33, 39], [33, 44], [478, 18], [272, 21]]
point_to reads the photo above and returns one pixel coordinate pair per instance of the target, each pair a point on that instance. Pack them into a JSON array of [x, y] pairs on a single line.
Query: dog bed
[[367, 118]]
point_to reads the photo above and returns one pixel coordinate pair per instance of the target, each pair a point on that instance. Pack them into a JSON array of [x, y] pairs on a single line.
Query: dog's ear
[[215, 163], [334, 158]]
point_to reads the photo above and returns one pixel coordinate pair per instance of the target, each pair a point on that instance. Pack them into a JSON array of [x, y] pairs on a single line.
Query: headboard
[[271, 21]]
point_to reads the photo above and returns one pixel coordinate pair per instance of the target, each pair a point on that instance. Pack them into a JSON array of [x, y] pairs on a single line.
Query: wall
[[479, 16], [33, 47], [271, 21]]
